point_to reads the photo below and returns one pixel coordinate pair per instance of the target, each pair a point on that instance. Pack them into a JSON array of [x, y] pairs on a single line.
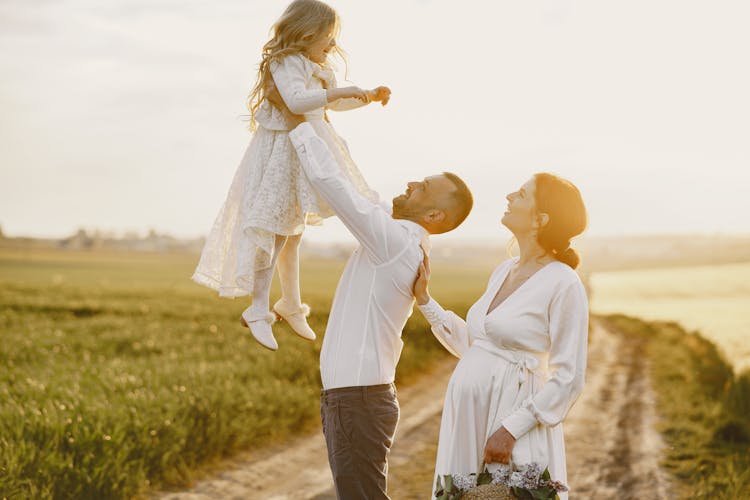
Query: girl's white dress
[[270, 194], [522, 366]]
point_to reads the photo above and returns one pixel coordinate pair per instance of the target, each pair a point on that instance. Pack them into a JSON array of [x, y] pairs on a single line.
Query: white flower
[[464, 482], [501, 474]]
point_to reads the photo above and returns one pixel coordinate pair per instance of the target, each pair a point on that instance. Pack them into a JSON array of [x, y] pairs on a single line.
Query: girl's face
[[318, 50], [521, 216]]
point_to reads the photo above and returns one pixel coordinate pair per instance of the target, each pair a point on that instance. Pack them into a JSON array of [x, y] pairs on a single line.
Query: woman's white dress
[[270, 194], [522, 366]]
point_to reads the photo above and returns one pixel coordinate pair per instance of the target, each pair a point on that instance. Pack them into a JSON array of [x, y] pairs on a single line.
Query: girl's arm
[[380, 94], [290, 77]]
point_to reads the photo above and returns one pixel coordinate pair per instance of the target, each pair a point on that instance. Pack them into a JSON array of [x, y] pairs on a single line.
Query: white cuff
[[432, 312], [520, 422], [302, 132]]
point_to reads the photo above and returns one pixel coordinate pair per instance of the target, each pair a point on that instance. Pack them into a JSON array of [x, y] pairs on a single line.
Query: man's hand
[[499, 447], [380, 94], [272, 95]]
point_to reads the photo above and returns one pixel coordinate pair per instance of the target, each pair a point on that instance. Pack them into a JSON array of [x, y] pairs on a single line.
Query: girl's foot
[[296, 317], [260, 328]]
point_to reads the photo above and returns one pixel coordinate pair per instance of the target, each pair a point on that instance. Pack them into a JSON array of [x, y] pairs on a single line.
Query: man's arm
[[374, 228]]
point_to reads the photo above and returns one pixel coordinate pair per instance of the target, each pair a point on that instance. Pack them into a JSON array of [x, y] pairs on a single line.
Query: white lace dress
[[270, 194], [522, 367]]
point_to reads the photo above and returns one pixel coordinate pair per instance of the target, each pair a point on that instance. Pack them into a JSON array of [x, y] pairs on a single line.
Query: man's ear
[[434, 216], [542, 219]]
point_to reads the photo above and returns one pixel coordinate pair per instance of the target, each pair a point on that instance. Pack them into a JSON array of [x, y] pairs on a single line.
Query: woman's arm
[[569, 337], [568, 325], [450, 330]]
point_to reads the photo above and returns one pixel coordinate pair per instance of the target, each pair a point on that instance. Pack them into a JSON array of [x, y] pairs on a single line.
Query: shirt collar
[[419, 232]]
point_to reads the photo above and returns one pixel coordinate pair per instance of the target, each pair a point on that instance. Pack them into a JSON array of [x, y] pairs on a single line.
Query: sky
[[126, 115]]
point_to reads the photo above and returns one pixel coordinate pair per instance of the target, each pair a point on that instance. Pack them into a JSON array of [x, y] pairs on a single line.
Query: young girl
[[270, 200]]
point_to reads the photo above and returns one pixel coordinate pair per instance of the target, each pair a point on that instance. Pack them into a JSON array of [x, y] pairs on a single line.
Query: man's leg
[[359, 424]]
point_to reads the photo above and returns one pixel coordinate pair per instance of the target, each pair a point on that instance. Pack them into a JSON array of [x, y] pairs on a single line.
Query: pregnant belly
[[478, 374]]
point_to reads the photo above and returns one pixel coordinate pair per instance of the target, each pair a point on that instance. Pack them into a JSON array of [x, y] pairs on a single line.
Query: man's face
[[422, 196]]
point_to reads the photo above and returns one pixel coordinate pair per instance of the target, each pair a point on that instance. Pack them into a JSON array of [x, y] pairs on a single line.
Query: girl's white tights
[[289, 272], [286, 257], [262, 282]]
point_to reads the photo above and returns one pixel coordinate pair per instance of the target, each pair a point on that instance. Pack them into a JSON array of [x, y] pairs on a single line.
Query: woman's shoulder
[[563, 275]]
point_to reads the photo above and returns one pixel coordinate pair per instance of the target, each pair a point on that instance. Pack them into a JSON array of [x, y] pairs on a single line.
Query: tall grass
[[120, 375], [705, 410]]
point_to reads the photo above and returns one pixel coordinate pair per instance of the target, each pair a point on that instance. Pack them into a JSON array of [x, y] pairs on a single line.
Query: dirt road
[[612, 447]]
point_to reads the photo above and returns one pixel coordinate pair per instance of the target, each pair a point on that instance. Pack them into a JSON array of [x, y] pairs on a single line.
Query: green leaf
[[521, 493], [448, 483], [484, 478]]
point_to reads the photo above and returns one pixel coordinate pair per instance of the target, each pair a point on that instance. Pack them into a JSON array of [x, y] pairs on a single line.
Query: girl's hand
[[344, 92], [420, 284], [380, 94], [499, 447]]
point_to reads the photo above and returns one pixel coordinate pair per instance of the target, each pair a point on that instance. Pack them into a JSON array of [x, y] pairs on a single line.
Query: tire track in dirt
[[612, 444]]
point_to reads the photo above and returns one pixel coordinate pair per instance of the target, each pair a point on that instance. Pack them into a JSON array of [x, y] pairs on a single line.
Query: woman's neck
[[530, 250]]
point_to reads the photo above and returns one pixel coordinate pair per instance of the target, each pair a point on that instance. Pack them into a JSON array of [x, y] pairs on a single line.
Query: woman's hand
[[499, 447], [344, 92], [420, 284], [380, 94]]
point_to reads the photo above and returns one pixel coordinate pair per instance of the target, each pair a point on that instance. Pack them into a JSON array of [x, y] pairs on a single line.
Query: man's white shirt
[[373, 300]]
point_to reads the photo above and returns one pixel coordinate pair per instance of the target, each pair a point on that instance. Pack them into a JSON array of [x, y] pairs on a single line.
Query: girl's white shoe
[[296, 317], [260, 328]]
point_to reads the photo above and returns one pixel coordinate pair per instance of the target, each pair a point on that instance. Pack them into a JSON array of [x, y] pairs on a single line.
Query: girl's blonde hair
[[302, 23]]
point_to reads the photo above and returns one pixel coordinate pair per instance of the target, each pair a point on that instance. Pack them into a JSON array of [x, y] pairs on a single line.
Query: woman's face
[[521, 216], [318, 50]]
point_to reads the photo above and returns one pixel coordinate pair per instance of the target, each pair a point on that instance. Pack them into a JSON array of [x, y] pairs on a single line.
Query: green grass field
[[122, 375]]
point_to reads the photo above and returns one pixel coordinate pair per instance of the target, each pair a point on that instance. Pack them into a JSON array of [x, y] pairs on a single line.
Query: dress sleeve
[[568, 326], [290, 76], [346, 104], [448, 327]]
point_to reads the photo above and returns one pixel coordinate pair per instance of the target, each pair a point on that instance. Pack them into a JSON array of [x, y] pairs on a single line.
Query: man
[[373, 300]]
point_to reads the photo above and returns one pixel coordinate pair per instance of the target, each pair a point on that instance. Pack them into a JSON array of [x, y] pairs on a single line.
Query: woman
[[523, 344]]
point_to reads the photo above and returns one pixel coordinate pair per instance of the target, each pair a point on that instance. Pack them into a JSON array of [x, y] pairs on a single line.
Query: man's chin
[[397, 207]]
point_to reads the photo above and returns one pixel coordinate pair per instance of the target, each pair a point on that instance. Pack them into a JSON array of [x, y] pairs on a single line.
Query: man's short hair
[[461, 201]]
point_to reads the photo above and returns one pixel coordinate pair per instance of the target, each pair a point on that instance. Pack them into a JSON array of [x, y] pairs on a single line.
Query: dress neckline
[[502, 282]]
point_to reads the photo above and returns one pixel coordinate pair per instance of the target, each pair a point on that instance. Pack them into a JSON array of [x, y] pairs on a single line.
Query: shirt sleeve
[[346, 104], [568, 325], [448, 327], [290, 76], [377, 232]]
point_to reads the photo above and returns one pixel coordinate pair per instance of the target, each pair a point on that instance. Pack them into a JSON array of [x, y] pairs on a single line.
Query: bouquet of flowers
[[527, 482]]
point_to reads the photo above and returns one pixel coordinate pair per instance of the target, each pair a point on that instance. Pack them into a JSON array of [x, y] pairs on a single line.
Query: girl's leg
[[258, 317], [263, 279], [289, 272], [290, 307]]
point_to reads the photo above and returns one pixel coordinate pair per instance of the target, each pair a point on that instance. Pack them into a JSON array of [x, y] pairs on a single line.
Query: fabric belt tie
[[525, 365]]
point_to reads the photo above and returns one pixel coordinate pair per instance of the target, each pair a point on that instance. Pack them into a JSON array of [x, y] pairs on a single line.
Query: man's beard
[[402, 210]]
